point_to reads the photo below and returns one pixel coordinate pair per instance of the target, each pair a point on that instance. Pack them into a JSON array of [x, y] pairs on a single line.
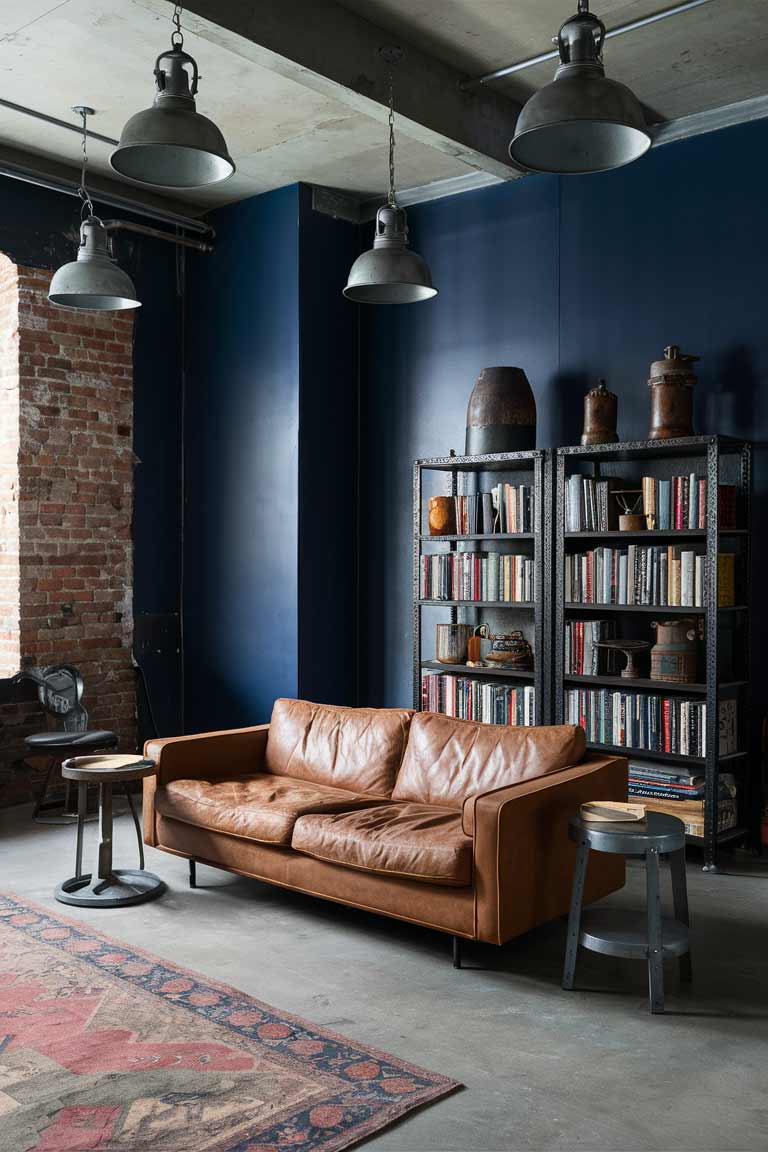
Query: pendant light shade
[[389, 273], [93, 280], [582, 121]]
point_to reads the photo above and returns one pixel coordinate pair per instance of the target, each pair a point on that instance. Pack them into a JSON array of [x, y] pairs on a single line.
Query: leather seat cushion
[[415, 841], [260, 807], [356, 748], [49, 741], [448, 760]]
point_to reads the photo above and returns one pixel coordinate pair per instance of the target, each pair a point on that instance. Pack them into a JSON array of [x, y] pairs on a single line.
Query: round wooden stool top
[[108, 769]]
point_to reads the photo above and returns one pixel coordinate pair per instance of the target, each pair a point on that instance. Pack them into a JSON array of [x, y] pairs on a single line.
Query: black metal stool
[[635, 935], [60, 691]]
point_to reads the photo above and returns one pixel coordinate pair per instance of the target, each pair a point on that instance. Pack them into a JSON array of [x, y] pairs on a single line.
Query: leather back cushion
[[448, 760], [356, 748]]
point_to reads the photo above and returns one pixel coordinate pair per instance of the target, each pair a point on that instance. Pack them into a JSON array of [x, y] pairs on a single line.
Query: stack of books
[[680, 793], [648, 721], [466, 698], [506, 508], [582, 658], [644, 575], [588, 504], [488, 576]]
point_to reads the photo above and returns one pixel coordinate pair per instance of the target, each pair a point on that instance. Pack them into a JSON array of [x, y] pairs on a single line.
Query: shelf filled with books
[[667, 601], [478, 563]]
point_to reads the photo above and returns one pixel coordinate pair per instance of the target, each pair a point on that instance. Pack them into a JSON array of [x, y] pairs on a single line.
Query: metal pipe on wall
[[143, 230], [642, 22], [24, 111]]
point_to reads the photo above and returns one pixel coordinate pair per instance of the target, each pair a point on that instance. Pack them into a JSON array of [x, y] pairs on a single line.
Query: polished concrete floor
[[542, 1068]]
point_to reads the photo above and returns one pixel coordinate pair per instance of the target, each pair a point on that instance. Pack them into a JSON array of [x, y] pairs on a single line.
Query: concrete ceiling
[[299, 90]]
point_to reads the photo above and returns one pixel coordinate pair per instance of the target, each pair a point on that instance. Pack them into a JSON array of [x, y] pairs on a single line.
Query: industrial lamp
[[171, 145], [389, 273], [581, 121], [93, 281]]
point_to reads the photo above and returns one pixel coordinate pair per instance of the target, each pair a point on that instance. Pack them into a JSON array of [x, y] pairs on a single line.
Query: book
[[726, 579]]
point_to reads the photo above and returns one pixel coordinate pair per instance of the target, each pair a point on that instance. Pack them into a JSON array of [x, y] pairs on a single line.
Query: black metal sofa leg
[[193, 874], [456, 941]]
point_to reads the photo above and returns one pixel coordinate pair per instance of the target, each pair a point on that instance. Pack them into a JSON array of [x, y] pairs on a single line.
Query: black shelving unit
[[515, 467], [720, 459]]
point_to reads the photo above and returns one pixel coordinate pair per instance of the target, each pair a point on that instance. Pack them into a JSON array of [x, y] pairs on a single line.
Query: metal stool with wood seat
[[60, 691]]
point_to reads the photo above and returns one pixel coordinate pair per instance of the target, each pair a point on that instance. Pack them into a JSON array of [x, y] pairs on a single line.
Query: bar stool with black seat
[[60, 691]]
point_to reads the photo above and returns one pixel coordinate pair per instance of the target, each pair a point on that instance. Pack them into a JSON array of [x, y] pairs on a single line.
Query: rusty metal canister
[[501, 415], [600, 411], [671, 383]]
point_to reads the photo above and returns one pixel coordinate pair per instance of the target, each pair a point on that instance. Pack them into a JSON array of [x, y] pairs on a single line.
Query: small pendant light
[[171, 145], [582, 121], [389, 273], [93, 281]]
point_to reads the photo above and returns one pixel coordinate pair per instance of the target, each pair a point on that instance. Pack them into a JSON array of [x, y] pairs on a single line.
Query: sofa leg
[[456, 951], [193, 874]]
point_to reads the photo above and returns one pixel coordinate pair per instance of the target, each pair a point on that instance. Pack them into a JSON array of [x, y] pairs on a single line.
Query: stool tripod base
[[124, 886]]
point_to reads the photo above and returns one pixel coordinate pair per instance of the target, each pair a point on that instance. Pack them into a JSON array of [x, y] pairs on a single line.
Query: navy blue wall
[[40, 229], [571, 279], [241, 450]]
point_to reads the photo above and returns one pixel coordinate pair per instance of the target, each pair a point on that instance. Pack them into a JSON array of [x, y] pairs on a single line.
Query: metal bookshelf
[[515, 467], [720, 459]]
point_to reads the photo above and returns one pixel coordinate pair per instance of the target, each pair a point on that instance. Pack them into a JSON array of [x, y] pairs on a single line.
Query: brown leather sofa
[[458, 826]]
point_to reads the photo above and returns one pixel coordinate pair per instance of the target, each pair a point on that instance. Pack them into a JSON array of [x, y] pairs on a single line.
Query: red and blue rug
[[106, 1048]]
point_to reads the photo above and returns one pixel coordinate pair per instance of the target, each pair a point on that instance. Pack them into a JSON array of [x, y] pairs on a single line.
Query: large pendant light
[[389, 273], [170, 145], [93, 281], [581, 121]]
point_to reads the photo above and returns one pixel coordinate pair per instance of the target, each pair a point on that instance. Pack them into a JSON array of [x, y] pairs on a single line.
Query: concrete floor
[[542, 1068]]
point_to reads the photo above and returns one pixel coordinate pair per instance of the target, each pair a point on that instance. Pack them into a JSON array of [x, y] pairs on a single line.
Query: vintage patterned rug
[[105, 1048]]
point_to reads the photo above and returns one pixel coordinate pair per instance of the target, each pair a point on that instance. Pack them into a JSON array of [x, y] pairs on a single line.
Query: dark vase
[[501, 415]]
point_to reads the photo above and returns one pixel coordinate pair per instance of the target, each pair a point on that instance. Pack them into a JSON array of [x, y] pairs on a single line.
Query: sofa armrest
[[523, 856], [207, 754]]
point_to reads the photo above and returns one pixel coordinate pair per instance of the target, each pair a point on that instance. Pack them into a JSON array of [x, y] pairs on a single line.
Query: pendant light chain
[[87, 203], [177, 36], [392, 198]]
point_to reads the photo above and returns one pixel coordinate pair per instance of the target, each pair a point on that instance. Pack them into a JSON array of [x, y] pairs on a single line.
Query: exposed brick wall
[[72, 510]]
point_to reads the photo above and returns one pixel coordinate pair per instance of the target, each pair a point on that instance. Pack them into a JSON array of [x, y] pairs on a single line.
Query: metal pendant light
[[389, 273], [581, 121], [170, 145], [93, 281]]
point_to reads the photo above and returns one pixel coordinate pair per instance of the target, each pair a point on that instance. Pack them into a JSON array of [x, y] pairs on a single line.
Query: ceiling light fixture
[[93, 281], [582, 121], [389, 273], [171, 145]]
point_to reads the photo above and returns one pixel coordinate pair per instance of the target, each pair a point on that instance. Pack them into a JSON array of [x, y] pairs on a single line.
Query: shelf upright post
[[417, 516], [751, 800], [711, 768], [542, 589], [558, 709]]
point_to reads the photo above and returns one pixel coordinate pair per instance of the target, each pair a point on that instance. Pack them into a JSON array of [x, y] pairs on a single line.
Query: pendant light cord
[[392, 198]]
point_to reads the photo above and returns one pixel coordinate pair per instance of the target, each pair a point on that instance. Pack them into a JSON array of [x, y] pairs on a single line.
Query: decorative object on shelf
[[581, 121], [511, 649], [501, 414], [671, 382], [442, 515], [600, 412], [630, 501], [452, 642], [675, 655], [628, 648], [611, 812], [93, 281], [475, 646], [171, 145], [388, 273]]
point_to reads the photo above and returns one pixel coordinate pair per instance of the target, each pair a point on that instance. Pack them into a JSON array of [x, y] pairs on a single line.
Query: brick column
[[73, 508]]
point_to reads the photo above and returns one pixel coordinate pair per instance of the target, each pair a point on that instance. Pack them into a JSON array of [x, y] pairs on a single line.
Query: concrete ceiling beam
[[335, 52]]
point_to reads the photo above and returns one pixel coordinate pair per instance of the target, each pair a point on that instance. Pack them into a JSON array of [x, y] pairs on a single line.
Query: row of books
[[677, 503], [488, 576], [582, 657], [648, 721], [506, 508], [670, 783], [646, 575], [467, 698]]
